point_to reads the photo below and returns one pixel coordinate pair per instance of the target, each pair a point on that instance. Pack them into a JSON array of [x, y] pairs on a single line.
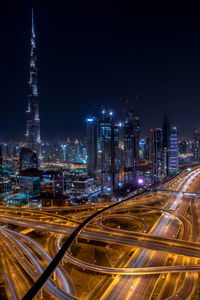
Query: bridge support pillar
[[41, 294], [54, 275]]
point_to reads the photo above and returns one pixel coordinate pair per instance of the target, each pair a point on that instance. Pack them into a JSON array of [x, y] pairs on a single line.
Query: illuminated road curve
[[54, 290], [120, 216], [133, 239], [132, 271], [65, 281], [47, 273], [59, 256], [10, 286], [120, 286]]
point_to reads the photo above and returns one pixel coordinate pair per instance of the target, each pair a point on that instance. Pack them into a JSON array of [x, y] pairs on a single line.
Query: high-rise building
[[131, 147], [76, 151], [92, 154], [173, 151], [156, 154], [109, 137], [29, 187], [183, 146], [52, 183], [70, 152], [1, 162], [165, 145], [196, 146], [33, 141], [28, 160], [147, 149]]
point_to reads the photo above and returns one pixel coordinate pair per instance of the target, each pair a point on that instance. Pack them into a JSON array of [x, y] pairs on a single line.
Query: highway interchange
[[146, 247]]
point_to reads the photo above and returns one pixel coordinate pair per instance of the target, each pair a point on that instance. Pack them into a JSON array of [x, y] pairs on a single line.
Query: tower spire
[[33, 29], [33, 122]]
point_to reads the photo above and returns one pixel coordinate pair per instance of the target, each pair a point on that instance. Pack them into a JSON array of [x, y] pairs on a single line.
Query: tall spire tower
[[33, 141]]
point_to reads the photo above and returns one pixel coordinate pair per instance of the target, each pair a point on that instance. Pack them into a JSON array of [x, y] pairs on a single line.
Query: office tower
[[196, 146], [84, 154], [165, 145], [28, 160], [1, 161], [173, 153], [52, 183], [33, 122], [142, 145], [76, 151], [64, 152], [109, 137], [131, 147], [156, 154], [183, 146], [29, 187], [147, 149], [69, 151], [92, 136]]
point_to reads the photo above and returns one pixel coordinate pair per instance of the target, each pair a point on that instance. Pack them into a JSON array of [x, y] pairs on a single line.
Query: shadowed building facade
[[109, 139], [131, 147]]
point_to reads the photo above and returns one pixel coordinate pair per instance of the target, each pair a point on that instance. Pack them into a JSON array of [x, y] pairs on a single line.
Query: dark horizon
[[93, 56]]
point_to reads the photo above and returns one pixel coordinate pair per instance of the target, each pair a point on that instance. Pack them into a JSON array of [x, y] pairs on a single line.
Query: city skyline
[[104, 201], [90, 56]]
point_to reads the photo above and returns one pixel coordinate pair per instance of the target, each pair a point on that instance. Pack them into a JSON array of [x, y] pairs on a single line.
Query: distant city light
[[141, 181]]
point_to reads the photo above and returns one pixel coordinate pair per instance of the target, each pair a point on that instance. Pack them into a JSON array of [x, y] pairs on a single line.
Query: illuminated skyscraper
[[109, 137], [92, 153], [28, 160], [1, 162], [76, 151], [131, 147], [173, 151], [196, 146], [33, 141], [183, 146], [165, 145], [156, 154]]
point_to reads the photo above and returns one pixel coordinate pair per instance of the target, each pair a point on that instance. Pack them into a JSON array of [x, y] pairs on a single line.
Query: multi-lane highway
[[165, 244]]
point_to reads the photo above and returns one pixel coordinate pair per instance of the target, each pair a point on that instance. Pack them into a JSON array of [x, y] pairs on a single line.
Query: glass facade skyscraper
[[131, 147], [109, 138], [165, 145], [173, 154], [196, 146], [92, 154], [156, 154]]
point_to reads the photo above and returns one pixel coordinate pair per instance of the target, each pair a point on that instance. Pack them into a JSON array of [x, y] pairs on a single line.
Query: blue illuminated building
[[173, 154], [92, 152], [29, 187]]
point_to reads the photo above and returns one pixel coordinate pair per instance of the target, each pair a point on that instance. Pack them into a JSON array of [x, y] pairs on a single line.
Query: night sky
[[91, 55]]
